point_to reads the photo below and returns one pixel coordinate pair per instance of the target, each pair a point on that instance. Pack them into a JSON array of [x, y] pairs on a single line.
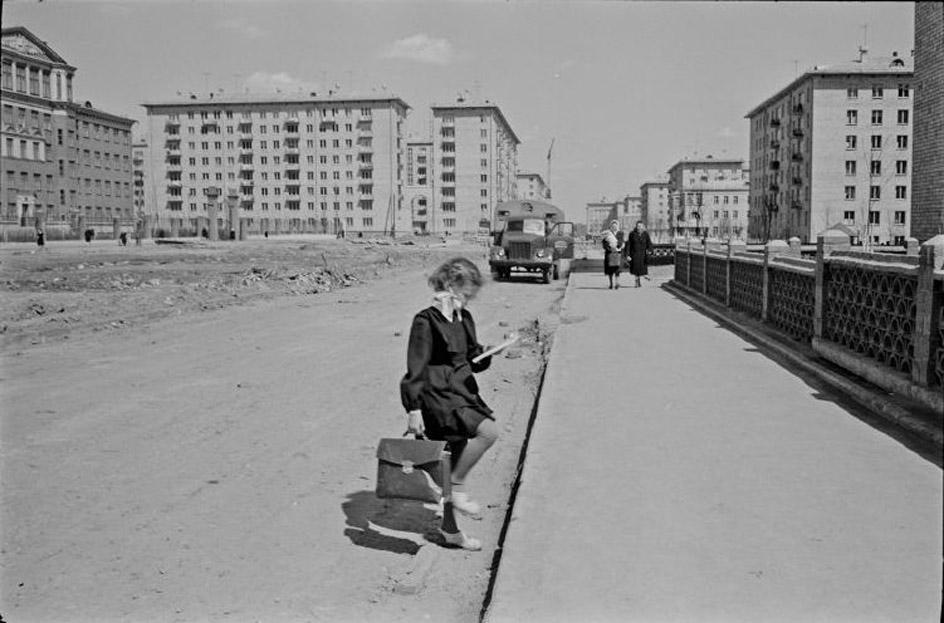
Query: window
[[877, 92], [901, 167], [876, 141], [850, 193], [876, 167], [874, 217], [483, 178], [852, 92], [875, 192], [899, 217], [483, 148], [852, 117], [850, 141], [876, 117], [850, 167], [901, 192], [848, 217], [902, 117], [904, 90], [483, 192], [902, 141]]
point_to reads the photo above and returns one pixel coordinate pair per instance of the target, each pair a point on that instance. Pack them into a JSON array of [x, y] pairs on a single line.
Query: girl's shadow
[[398, 526]]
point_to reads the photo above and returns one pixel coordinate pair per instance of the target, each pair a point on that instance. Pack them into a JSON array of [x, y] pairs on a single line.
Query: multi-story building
[[284, 164], [654, 209], [630, 211], [62, 162], [927, 196], [600, 213], [834, 147], [708, 197], [476, 156], [418, 189], [139, 173], [532, 186]]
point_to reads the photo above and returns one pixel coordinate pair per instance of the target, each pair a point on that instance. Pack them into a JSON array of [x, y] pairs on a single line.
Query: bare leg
[[485, 435]]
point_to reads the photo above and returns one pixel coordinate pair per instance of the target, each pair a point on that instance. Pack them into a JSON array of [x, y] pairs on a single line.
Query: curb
[[866, 398]]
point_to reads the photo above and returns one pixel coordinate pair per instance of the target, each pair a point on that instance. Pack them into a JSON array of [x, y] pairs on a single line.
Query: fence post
[[911, 246], [704, 267], [795, 247], [688, 264], [735, 246], [930, 258], [771, 250], [826, 242]]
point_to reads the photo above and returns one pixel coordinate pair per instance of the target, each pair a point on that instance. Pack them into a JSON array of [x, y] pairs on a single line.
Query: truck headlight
[[540, 253], [499, 252]]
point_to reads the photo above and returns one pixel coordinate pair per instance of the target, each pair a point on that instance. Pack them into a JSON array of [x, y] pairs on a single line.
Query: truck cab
[[531, 241]]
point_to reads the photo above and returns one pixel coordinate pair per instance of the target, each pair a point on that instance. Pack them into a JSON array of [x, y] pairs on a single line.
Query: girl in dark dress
[[439, 391]]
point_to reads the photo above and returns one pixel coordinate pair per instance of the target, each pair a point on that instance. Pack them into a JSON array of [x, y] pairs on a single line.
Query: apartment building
[[600, 213], [708, 197], [283, 163], [630, 211], [532, 186], [418, 189], [139, 158], [834, 147], [476, 156], [927, 201], [654, 209], [61, 162]]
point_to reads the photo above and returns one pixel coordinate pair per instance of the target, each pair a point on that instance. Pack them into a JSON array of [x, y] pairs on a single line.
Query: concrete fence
[[878, 315]]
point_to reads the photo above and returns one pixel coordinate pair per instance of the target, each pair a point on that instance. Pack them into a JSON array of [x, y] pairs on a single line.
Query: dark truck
[[532, 237]]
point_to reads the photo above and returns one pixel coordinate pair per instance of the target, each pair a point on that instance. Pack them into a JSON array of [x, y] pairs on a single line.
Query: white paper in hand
[[494, 349]]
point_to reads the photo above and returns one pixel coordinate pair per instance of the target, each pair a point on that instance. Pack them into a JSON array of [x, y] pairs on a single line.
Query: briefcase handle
[[416, 435]]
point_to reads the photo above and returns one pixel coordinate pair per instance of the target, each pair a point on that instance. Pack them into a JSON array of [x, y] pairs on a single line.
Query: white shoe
[[461, 502], [460, 540]]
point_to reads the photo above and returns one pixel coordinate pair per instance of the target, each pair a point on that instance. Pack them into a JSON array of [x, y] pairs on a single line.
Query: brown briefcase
[[413, 469]]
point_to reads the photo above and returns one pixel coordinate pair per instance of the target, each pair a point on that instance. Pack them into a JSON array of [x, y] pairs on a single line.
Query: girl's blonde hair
[[455, 273]]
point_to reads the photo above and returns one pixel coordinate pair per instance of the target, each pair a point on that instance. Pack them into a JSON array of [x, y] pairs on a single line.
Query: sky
[[624, 89]]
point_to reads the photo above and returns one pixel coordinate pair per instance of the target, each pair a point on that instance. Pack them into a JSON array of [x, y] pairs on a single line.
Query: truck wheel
[[546, 273]]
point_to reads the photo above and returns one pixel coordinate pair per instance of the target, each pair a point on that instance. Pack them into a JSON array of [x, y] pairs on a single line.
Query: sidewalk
[[675, 473]]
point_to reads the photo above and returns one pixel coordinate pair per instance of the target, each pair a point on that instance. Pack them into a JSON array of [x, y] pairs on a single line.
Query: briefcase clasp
[[407, 467]]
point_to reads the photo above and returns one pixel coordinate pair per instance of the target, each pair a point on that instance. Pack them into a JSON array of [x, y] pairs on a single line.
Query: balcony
[[291, 120], [774, 187], [775, 165], [173, 153], [210, 127], [798, 109], [291, 151], [174, 183], [774, 144], [775, 122], [797, 132], [246, 166], [291, 129], [797, 157], [245, 151], [174, 165], [798, 181], [796, 205]]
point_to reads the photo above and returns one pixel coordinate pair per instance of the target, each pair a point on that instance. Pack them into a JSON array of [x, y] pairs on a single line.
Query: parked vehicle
[[530, 237]]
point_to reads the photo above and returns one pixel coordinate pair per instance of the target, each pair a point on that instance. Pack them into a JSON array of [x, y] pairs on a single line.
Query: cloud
[[421, 48], [265, 82], [241, 27]]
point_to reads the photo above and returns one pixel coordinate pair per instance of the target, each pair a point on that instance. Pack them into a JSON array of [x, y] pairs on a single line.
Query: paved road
[[675, 473]]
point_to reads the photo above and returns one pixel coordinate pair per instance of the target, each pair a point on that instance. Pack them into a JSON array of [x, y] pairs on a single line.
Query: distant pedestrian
[[639, 246], [439, 391], [123, 239], [266, 234], [612, 255], [89, 234], [40, 239], [204, 233]]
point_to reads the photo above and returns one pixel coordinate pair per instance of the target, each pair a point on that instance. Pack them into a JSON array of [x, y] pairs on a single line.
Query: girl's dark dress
[[439, 378]]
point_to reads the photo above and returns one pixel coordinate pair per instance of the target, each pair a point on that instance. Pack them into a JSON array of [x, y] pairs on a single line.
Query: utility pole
[[549, 150]]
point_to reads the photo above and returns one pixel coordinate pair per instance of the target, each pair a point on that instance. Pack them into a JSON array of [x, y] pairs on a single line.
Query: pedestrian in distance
[[40, 238], [123, 239], [439, 391], [639, 245], [612, 255], [89, 234]]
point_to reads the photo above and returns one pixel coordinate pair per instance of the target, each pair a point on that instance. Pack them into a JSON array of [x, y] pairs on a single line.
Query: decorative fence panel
[[747, 287], [936, 378], [697, 271], [790, 302], [681, 267], [717, 278], [871, 313]]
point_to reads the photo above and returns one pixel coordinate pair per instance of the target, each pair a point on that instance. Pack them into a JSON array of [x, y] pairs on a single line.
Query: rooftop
[[218, 99], [867, 65], [464, 104]]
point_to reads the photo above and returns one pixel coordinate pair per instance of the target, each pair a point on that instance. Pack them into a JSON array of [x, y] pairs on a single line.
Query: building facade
[[475, 152], [834, 147], [532, 186], [708, 197], [418, 187], [630, 211], [654, 209], [284, 164], [599, 215], [139, 159], [61, 162], [927, 202]]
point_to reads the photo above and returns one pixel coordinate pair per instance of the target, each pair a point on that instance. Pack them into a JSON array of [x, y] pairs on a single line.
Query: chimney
[[863, 52]]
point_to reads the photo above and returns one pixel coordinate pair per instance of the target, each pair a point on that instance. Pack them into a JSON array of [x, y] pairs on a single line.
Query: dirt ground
[[188, 433]]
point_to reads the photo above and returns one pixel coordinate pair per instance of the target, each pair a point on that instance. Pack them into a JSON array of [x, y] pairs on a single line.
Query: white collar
[[445, 302]]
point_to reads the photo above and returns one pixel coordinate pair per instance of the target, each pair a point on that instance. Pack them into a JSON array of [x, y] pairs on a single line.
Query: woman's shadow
[[398, 526]]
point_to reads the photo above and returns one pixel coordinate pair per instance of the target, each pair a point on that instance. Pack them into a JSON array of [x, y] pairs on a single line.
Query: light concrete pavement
[[675, 473]]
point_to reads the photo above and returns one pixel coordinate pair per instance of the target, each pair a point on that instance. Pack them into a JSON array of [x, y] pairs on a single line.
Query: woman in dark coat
[[612, 255], [439, 391], [639, 245]]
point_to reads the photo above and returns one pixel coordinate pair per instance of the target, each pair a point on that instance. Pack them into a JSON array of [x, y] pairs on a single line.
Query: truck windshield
[[527, 226]]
